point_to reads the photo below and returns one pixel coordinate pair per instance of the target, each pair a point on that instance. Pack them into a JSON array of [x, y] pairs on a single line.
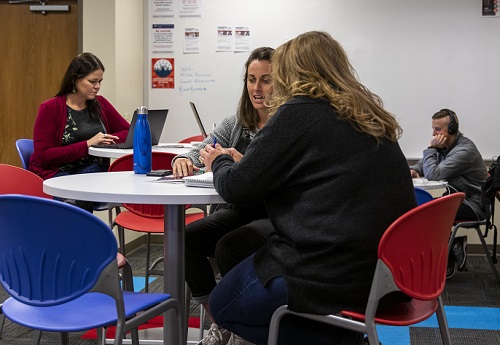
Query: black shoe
[[451, 268], [459, 249], [365, 341]]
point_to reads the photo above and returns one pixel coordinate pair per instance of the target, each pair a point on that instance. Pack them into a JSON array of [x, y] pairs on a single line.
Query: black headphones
[[453, 125]]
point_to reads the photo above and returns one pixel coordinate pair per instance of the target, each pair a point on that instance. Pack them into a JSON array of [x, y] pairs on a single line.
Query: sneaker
[[459, 249], [216, 336], [451, 268], [366, 342], [237, 340]]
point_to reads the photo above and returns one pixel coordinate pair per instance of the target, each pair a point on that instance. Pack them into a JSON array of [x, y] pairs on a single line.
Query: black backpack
[[488, 191], [492, 184]]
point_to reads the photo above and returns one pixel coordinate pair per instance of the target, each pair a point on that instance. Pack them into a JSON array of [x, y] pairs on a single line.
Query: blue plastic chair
[[62, 275], [25, 149], [423, 196]]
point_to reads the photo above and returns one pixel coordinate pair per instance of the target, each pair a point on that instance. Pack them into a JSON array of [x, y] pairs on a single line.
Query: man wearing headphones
[[454, 158]]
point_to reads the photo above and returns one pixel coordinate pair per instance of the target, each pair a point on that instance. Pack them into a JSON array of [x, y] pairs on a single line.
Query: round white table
[[161, 147], [429, 185], [127, 187]]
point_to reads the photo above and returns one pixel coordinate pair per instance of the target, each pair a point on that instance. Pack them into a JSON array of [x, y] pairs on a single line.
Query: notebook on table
[[198, 120], [156, 119], [205, 180]]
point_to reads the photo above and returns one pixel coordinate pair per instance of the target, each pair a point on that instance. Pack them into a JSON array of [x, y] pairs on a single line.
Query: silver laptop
[[156, 119], [198, 120]]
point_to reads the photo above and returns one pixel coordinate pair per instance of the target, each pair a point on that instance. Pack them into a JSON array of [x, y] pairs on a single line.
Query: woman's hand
[[183, 167], [235, 154], [101, 138], [209, 153]]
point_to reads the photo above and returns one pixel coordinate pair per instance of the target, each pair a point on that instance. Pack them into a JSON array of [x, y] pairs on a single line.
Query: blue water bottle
[[142, 142]]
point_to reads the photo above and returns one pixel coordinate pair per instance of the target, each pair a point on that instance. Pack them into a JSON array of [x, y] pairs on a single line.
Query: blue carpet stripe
[[458, 317], [139, 282], [467, 317]]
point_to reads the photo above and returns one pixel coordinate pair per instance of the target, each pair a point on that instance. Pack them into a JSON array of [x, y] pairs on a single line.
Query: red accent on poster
[[162, 73]]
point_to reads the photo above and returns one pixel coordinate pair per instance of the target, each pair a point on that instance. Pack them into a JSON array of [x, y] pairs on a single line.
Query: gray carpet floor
[[474, 287]]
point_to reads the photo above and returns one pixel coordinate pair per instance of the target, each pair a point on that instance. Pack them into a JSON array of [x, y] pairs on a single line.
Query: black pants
[[465, 212], [228, 236]]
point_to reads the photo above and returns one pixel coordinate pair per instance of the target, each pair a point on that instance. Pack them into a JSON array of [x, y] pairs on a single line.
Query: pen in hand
[[213, 132]]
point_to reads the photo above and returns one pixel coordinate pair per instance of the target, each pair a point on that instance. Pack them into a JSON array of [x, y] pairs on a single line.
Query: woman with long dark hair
[[73, 120], [233, 231]]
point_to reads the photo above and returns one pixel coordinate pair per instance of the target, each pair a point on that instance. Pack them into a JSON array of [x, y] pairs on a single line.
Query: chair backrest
[[15, 180], [415, 247], [25, 149], [161, 160], [422, 196], [51, 252], [191, 139]]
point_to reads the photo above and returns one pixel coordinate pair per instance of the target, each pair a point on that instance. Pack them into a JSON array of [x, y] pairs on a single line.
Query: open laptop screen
[[198, 120]]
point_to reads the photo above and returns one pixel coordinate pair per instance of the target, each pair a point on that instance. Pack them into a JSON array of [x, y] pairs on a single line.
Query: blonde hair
[[315, 65]]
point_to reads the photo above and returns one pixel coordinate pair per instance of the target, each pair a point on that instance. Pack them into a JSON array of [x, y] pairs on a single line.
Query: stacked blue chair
[[422, 196], [25, 148]]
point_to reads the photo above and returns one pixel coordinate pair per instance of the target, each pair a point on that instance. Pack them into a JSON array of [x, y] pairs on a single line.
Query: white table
[[161, 147], [429, 185], [127, 187]]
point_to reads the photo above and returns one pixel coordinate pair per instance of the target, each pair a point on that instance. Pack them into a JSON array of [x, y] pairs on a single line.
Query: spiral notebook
[[205, 180]]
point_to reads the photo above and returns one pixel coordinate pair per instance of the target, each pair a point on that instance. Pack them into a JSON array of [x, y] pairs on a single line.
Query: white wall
[[418, 56], [113, 31]]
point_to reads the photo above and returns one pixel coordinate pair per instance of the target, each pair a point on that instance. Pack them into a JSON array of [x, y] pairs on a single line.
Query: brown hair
[[315, 65], [82, 65], [247, 115]]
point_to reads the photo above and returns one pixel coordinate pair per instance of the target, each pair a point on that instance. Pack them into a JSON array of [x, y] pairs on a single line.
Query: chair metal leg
[[37, 337], [202, 322], [275, 324], [187, 296], [452, 237], [2, 320], [135, 336], [443, 323], [121, 239], [110, 214], [483, 244], [148, 254], [371, 332], [152, 270], [488, 255], [127, 277], [64, 338], [101, 336]]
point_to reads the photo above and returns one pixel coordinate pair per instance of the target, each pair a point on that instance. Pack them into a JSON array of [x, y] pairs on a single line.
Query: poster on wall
[[224, 39], [191, 41], [190, 8], [163, 38], [162, 8], [162, 73], [490, 8], [242, 39]]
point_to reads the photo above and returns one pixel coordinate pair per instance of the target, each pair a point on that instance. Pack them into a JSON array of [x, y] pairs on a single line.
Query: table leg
[[173, 253]]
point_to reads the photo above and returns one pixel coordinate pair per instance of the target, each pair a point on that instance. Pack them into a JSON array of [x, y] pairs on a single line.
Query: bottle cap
[[142, 109]]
